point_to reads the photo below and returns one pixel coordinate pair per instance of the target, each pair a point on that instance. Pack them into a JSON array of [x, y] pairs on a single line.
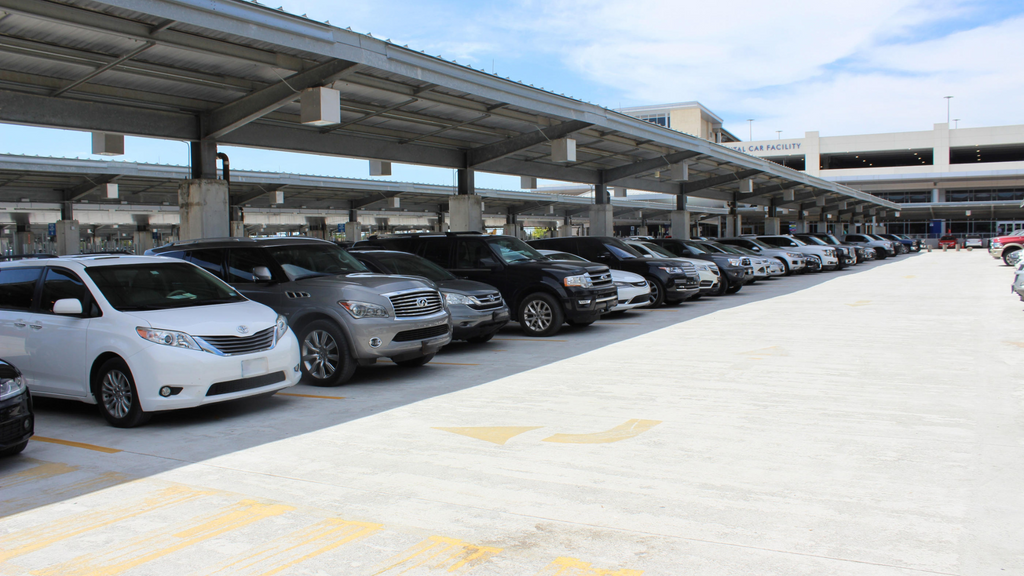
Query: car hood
[[1005, 239], [213, 320], [561, 268], [468, 287], [380, 283], [623, 276]]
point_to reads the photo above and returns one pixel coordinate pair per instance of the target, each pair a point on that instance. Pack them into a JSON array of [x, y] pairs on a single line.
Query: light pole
[[956, 123], [948, 98], [779, 132], [751, 121]]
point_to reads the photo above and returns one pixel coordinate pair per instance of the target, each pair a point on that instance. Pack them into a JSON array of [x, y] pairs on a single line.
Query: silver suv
[[343, 315], [825, 256]]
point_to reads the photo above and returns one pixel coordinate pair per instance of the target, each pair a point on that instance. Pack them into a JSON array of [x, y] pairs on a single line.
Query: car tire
[[723, 286], [540, 315], [785, 267], [13, 450], [733, 289], [695, 297], [415, 362], [326, 358], [481, 339], [117, 396], [1012, 257], [657, 292], [579, 324]]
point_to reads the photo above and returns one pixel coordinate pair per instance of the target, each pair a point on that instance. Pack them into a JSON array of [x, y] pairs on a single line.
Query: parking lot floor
[[864, 422]]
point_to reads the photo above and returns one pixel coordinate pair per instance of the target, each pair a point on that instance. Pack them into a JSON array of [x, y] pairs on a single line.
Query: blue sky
[[794, 66]]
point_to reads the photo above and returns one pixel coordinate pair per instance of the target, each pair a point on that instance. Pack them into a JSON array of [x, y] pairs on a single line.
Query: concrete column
[[733, 225], [203, 208], [142, 240], [440, 226], [940, 148], [642, 231], [601, 220], [237, 222], [68, 237], [812, 153], [466, 212], [23, 242], [772, 226], [565, 231], [680, 224]]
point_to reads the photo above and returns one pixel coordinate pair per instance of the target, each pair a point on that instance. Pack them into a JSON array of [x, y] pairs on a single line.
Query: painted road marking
[[42, 497], [494, 434], [576, 567], [617, 323], [432, 362], [630, 429], [527, 340], [32, 539], [160, 543], [76, 444], [440, 553], [35, 473], [310, 396], [287, 551], [859, 303]]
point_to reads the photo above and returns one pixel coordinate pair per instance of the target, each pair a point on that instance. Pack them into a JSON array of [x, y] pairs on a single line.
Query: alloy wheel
[[116, 391], [320, 354], [537, 315]]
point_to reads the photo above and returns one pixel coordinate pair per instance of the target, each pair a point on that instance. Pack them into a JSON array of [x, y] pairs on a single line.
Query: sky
[[838, 68]]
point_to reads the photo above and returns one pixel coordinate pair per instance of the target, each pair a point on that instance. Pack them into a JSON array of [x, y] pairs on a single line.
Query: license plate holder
[[255, 367]]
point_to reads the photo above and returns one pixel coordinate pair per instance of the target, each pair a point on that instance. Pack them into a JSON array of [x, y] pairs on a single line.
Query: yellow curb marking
[[440, 553], [38, 472], [630, 429], [76, 444], [575, 567], [494, 434], [41, 497]]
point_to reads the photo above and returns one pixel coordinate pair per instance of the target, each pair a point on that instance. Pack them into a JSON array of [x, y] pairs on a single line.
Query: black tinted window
[[474, 254], [593, 251], [17, 287], [160, 286], [414, 266], [309, 260], [437, 251], [60, 284], [242, 262], [209, 260]]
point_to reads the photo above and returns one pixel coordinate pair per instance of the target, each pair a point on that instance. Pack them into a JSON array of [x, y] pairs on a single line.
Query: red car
[[1008, 247], [947, 241]]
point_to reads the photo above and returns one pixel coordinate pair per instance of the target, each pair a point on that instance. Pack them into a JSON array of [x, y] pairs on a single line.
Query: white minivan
[[137, 335]]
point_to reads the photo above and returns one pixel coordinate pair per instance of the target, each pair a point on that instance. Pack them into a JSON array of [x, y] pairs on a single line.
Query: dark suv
[[343, 314], [734, 273], [541, 294], [670, 280]]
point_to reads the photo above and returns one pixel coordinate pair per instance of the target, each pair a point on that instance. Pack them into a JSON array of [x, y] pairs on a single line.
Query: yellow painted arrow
[[495, 434], [631, 429]]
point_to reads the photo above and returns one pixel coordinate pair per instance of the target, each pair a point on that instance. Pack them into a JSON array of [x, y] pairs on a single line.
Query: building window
[[659, 119]]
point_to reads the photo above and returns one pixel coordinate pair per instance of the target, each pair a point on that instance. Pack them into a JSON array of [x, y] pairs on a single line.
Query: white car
[[826, 256], [633, 289], [707, 271], [1018, 281], [137, 334]]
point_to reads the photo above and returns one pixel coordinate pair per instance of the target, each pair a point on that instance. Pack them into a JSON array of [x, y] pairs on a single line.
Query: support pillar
[[642, 230], [566, 229], [680, 224], [142, 239], [466, 182], [353, 229], [772, 226], [237, 222], [203, 208], [466, 213], [440, 227], [68, 238]]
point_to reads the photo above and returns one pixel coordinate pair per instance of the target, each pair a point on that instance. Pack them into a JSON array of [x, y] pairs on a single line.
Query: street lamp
[[948, 98], [779, 132], [956, 123], [751, 121]]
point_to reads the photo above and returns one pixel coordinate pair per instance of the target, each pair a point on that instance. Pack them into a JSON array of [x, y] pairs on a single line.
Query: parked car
[[917, 244], [1018, 280], [1008, 247], [948, 241], [847, 255], [707, 271], [974, 241], [477, 309], [883, 248], [763, 267], [633, 291], [792, 262], [344, 315], [17, 421], [855, 254], [897, 245], [137, 335], [822, 257], [541, 294], [733, 273], [909, 245], [671, 281]]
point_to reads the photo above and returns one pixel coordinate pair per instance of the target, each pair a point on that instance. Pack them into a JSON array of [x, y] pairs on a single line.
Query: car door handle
[[36, 326], [20, 324]]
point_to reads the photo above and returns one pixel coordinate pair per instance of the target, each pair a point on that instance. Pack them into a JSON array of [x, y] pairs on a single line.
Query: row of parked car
[[206, 321]]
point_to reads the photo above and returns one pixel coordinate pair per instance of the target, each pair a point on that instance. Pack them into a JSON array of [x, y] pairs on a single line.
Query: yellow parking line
[[310, 396], [439, 553], [77, 444], [35, 473], [565, 566], [528, 340]]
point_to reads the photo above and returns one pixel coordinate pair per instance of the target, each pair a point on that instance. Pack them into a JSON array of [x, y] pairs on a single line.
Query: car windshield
[[311, 260], [411, 265], [828, 239], [621, 249], [161, 286], [714, 248], [657, 249], [737, 250], [565, 256], [514, 250], [759, 243], [698, 248], [814, 240]]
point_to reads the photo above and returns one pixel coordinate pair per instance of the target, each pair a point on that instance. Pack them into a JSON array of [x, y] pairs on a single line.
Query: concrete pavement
[[864, 422]]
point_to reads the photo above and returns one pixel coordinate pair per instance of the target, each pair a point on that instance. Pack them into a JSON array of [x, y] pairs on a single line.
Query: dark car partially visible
[[16, 419]]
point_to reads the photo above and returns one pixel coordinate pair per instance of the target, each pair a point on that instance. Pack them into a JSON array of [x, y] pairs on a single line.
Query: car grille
[[643, 298], [421, 334], [689, 268], [601, 280], [487, 302], [706, 283], [412, 304], [745, 261], [245, 384], [231, 345]]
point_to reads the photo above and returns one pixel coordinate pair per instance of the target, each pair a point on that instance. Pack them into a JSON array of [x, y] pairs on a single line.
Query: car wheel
[[785, 267], [540, 315], [481, 339], [657, 292], [695, 297], [733, 289], [117, 396], [326, 359], [16, 449], [415, 362], [1012, 257], [723, 285], [579, 324]]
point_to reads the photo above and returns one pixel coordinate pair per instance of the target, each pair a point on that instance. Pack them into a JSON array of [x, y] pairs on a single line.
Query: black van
[[541, 293]]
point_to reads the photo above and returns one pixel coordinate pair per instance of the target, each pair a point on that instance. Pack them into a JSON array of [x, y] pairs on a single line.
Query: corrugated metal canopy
[[232, 71]]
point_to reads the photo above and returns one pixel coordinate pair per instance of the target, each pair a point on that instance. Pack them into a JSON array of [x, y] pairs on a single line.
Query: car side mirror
[[261, 274], [68, 307]]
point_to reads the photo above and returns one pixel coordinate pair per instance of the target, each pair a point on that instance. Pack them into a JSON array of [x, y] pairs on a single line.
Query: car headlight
[[793, 256], [583, 281], [364, 309], [735, 262], [671, 269], [11, 387], [622, 284], [168, 338], [703, 267], [997, 244], [280, 328], [456, 298]]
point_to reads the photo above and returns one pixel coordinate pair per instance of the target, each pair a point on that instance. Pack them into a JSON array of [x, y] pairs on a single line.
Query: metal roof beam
[[615, 174], [498, 150], [104, 68], [771, 189], [243, 198], [375, 197], [690, 187], [90, 184], [240, 112]]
